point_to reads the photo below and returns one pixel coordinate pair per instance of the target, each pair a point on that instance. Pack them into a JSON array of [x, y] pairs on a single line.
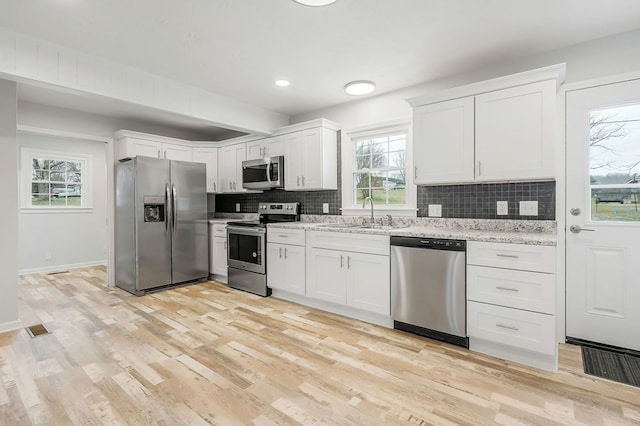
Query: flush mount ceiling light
[[282, 83], [315, 3], [360, 87]]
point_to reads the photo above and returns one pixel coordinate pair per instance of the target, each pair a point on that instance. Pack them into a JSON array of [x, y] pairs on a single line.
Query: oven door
[[246, 248]]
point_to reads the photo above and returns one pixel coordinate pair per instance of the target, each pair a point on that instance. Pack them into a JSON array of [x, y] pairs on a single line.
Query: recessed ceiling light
[[315, 2], [282, 83], [360, 87]]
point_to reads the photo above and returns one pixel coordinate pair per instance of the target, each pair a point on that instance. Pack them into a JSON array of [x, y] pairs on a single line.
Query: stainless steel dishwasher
[[428, 288]]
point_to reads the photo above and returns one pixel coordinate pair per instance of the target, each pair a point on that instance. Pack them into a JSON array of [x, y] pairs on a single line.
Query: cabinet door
[[177, 152], [241, 155], [311, 173], [273, 147], [326, 275], [368, 282], [443, 135], [515, 132], [143, 147], [286, 267], [208, 156], [226, 171], [255, 149], [219, 257], [293, 162]]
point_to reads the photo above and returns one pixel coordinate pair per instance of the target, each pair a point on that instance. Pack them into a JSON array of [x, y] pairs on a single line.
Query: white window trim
[[348, 160], [26, 161]]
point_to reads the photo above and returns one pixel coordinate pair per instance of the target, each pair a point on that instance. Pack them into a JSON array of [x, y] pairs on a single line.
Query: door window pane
[[614, 163]]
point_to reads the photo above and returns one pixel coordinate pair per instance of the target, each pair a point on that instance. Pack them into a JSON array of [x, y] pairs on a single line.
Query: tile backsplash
[[479, 201]]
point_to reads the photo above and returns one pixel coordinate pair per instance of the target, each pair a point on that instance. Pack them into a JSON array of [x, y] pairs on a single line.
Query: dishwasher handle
[[430, 243]]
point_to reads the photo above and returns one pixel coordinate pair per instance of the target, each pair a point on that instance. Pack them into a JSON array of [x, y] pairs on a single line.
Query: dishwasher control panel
[[430, 243]]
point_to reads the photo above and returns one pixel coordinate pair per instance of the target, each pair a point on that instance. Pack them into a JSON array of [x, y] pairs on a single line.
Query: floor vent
[[58, 272], [37, 330]]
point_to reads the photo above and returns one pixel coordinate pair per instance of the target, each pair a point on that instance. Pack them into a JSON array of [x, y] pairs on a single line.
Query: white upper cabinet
[[208, 156], [263, 148], [444, 142], [131, 144], [501, 129], [230, 171], [515, 131], [311, 158]]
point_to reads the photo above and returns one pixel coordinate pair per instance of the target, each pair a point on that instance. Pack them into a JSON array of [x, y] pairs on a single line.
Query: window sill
[[53, 210], [379, 210]]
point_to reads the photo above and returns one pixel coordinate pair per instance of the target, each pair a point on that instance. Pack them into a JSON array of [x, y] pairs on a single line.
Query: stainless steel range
[[246, 247]]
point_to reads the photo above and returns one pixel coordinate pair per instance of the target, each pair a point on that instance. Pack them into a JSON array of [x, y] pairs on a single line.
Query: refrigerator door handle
[[174, 209], [167, 203]]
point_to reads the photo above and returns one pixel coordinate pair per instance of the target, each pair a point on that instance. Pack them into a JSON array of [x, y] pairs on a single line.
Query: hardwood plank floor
[[207, 354]]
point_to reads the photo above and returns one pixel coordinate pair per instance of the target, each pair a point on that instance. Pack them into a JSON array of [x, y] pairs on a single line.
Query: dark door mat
[[615, 366]]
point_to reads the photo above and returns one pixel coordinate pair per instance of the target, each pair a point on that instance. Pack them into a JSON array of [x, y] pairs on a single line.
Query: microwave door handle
[[269, 171]]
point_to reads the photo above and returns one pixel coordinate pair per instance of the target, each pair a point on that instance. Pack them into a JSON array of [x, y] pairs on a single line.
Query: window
[[54, 179], [375, 165]]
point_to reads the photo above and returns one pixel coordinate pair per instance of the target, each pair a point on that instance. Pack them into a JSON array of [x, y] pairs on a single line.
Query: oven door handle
[[246, 230]]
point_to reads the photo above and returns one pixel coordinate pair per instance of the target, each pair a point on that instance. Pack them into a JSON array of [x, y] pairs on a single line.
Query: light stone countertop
[[548, 238]]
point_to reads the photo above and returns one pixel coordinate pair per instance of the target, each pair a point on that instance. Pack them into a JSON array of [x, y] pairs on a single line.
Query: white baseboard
[[10, 326], [61, 267]]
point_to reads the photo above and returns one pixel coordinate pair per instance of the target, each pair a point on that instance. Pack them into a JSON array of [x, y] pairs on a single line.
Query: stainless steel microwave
[[264, 173]]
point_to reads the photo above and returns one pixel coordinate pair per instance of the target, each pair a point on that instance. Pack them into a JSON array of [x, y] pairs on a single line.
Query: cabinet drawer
[[286, 236], [532, 291], [220, 230], [347, 241], [526, 330], [512, 256]]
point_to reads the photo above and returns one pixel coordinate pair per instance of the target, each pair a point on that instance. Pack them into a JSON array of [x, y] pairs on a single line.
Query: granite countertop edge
[[513, 237]]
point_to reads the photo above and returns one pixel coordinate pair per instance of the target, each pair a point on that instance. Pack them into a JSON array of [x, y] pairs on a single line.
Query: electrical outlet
[[528, 208], [502, 208], [48, 255], [435, 210], [237, 207], [325, 207]]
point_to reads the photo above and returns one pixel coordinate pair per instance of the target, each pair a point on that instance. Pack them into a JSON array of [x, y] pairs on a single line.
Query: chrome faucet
[[370, 201]]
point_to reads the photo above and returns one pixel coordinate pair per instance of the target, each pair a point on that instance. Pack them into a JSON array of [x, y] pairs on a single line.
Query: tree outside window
[[56, 181], [380, 169]]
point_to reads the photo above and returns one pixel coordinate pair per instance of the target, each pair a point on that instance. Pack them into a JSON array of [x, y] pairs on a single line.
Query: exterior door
[[603, 215], [190, 239]]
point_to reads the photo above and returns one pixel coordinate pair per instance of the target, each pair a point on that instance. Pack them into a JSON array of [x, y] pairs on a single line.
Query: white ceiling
[[238, 48]]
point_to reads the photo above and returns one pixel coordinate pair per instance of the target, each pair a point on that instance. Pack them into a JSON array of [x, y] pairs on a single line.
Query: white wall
[[71, 238], [9, 210], [602, 57]]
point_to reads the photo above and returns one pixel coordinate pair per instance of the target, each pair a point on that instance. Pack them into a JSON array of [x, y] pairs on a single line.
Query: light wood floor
[[207, 354]]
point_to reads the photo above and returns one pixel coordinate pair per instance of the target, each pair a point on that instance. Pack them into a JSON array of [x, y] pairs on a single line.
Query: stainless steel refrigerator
[[161, 235]]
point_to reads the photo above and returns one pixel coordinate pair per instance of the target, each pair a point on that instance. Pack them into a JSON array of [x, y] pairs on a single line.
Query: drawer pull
[[508, 327], [499, 287], [510, 256], [283, 236]]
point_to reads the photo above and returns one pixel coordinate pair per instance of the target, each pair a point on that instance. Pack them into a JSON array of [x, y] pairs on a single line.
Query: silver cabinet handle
[[225, 244], [576, 229], [159, 153], [348, 262], [302, 180], [285, 252], [510, 256], [165, 154], [575, 211], [508, 327], [341, 261], [280, 252], [230, 185], [415, 173], [507, 288], [479, 168], [298, 180], [214, 187], [283, 236]]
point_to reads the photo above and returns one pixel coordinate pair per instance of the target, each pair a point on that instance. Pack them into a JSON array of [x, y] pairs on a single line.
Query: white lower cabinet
[[286, 261], [218, 252], [511, 302], [352, 278]]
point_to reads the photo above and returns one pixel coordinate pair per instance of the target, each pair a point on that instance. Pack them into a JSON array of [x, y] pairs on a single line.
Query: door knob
[[576, 229]]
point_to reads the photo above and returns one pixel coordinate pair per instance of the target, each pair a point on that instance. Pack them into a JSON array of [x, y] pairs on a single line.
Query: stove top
[[272, 213]]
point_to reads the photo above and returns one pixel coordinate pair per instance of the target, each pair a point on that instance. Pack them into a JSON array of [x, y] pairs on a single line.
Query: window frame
[[27, 155], [348, 168]]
